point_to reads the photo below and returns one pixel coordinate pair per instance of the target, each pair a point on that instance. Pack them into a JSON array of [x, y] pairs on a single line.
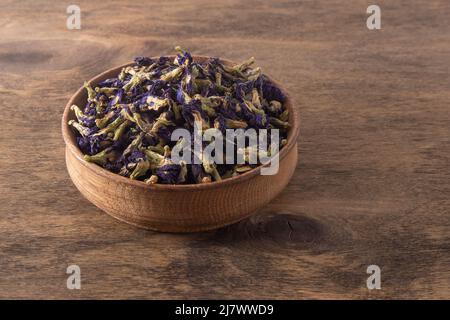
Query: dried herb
[[127, 122]]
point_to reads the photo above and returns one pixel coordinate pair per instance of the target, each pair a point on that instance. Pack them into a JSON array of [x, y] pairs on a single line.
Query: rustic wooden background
[[372, 185]]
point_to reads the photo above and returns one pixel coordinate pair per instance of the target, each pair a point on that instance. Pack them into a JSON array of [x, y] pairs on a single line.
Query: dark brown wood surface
[[372, 184]]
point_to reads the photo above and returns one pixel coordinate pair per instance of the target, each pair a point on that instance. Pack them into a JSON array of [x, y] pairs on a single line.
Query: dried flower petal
[[127, 121]]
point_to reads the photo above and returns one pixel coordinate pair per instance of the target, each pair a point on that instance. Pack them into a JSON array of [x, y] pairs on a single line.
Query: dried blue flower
[[143, 61], [127, 121], [168, 174]]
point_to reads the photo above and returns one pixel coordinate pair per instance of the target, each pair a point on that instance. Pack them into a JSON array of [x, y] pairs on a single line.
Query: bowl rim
[[70, 141]]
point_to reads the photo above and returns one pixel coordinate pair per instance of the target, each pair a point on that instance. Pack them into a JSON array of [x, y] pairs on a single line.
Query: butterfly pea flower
[[148, 140], [164, 133], [167, 153], [141, 169], [199, 119], [199, 175], [275, 106], [111, 127], [113, 167], [111, 82], [85, 120], [284, 116], [256, 100], [219, 123], [213, 101], [89, 145], [154, 88], [100, 102], [127, 164], [168, 174], [228, 174], [121, 129], [251, 107], [182, 177], [229, 78], [127, 121], [159, 147], [183, 58], [254, 116], [154, 158], [192, 112], [216, 86], [244, 65], [162, 120], [102, 157], [143, 61], [117, 98], [242, 89], [208, 109], [91, 92], [135, 80], [258, 83], [253, 74], [230, 112], [211, 169], [238, 69], [195, 70], [125, 170], [208, 165], [84, 131], [163, 60], [260, 121], [203, 83], [243, 168], [271, 92], [183, 97], [102, 122], [118, 144], [206, 179], [171, 75], [136, 118], [167, 171], [135, 156], [152, 180], [89, 109], [278, 123], [78, 113], [106, 90], [155, 103], [175, 109], [235, 124], [125, 72], [208, 104], [135, 143], [188, 82], [237, 107], [218, 77]]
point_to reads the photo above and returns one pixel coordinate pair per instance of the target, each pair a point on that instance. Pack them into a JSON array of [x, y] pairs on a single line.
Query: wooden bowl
[[176, 208]]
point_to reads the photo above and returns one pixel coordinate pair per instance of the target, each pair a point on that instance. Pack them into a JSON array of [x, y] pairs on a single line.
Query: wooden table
[[372, 184]]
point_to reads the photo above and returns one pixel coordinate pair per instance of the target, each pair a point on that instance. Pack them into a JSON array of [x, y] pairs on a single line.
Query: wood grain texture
[[372, 185]]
